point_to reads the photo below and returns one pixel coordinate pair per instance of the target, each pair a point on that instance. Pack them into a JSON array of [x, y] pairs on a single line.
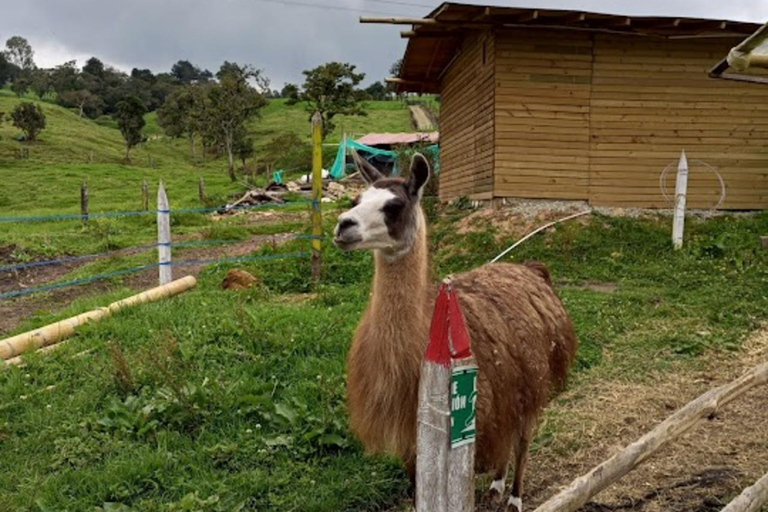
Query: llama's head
[[387, 215]]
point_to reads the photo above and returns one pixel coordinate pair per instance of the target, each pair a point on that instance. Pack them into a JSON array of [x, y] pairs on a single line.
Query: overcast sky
[[279, 38]]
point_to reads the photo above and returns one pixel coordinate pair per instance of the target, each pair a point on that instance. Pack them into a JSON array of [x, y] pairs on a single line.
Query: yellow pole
[[317, 193]]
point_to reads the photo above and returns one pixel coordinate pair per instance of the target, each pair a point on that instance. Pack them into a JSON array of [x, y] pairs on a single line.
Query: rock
[[237, 279]]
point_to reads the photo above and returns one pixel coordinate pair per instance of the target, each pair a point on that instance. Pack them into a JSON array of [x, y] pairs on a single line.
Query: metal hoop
[[670, 200]]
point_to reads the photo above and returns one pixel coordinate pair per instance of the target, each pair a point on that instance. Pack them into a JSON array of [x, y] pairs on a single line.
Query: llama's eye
[[393, 208], [355, 201]]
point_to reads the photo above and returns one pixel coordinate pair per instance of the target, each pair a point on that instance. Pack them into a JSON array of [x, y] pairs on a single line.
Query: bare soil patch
[[699, 472]]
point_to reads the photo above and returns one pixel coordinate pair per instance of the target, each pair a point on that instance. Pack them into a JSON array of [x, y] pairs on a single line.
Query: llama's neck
[[400, 288]]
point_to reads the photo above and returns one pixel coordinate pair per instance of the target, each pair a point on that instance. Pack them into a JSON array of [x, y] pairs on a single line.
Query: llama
[[522, 337]]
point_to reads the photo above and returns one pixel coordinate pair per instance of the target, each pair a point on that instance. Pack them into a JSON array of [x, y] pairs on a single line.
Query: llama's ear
[[419, 175], [369, 173]]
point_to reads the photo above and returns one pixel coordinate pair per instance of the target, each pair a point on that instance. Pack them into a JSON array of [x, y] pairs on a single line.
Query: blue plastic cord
[[74, 216], [194, 243], [117, 273]]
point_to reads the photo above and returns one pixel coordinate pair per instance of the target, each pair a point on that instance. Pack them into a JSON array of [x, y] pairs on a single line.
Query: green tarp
[[339, 165]]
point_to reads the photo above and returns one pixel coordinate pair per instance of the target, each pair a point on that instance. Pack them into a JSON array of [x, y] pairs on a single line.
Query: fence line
[[139, 248], [119, 273], [77, 216]]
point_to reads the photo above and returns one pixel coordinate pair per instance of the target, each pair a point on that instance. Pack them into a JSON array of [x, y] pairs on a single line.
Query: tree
[[95, 67], [30, 118], [8, 70], [394, 70], [243, 146], [187, 73], [291, 92], [21, 84], [377, 91], [19, 52], [231, 102], [289, 151], [129, 115], [182, 114], [41, 82], [330, 90]]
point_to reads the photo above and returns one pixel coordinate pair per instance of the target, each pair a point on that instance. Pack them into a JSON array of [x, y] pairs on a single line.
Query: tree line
[[191, 102]]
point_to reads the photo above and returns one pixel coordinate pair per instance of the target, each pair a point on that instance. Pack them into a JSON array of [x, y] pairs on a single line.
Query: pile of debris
[[276, 192]]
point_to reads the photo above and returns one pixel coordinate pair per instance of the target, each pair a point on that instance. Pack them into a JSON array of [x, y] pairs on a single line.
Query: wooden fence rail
[[585, 487]]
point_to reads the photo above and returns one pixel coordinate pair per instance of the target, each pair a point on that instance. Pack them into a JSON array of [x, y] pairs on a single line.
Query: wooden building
[[575, 105]]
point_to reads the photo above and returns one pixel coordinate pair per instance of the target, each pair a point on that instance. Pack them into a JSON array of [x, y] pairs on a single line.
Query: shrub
[[29, 118]]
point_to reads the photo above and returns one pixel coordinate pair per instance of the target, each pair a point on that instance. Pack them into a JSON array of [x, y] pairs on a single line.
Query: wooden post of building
[[164, 236], [144, 196], [317, 194], [752, 499], [681, 191], [84, 202], [201, 190]]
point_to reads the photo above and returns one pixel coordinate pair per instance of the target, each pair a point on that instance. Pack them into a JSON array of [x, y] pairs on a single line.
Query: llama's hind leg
[[496, 492], [521, 460]]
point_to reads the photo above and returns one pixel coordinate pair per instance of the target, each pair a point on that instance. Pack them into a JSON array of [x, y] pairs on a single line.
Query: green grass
[[219, 401], [236, 400]]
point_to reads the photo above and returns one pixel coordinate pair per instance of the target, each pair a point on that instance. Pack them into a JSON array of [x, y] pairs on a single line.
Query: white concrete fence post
[[681, 192], [164, 236]]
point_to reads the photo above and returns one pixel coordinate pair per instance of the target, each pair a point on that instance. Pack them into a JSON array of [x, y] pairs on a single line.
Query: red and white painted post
[[445, 459]]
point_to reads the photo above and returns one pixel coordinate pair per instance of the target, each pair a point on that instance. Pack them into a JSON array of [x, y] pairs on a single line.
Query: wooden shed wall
[[597, 117], [542, 114], [466, 121], [651, 99]]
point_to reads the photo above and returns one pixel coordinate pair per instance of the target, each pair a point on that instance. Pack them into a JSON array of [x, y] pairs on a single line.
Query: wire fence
[[161, 245]]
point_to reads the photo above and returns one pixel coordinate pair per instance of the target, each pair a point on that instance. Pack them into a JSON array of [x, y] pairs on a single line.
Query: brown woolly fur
[[521, 335]]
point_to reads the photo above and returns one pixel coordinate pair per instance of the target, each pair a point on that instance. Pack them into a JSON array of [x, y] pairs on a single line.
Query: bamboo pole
[[164, 236], [681, 191], [317, 194], [12, 348], [751, 499], [585, 487]]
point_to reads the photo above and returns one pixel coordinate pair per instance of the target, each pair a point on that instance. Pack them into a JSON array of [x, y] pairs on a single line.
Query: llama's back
[[524, 344]]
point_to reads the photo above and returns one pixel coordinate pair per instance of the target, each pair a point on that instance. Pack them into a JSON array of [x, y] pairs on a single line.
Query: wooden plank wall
[[466, 121], [542, 114], [651, 99]]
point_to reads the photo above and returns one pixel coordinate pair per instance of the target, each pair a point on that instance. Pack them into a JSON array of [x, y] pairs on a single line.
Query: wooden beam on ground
[[752, 499], [585, 487]]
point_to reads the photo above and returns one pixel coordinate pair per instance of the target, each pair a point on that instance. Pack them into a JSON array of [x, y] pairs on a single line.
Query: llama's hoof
[[515, 504], [494, 495]]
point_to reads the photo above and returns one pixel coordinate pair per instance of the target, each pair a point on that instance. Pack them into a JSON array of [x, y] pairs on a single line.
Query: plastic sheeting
[[339, 165]]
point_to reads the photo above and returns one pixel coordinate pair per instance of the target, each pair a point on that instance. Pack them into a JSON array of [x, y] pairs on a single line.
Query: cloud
[[272, 35]]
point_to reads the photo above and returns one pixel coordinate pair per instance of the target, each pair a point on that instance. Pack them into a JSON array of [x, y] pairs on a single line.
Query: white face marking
[[498, 486], [516, 502], [370, 227]]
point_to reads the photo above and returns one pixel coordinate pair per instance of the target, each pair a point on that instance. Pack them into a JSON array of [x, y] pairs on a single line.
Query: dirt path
[[421, 119], [13, 312]]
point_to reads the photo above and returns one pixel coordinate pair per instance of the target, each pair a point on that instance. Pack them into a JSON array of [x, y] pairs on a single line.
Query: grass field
[[221, 401]]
